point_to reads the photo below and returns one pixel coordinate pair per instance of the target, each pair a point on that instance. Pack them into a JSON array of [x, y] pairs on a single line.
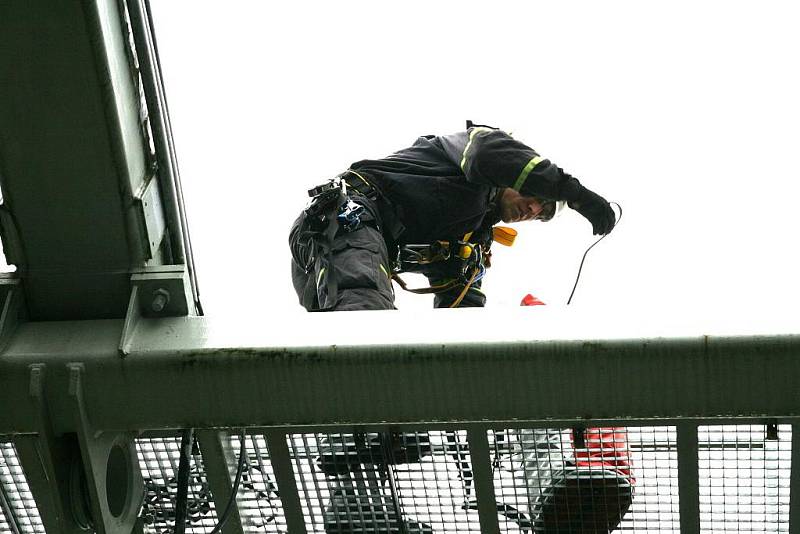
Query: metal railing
[[453, 437]]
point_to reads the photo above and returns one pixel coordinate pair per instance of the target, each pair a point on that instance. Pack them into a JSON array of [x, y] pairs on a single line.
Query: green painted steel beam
[[177, 375], [82, 207]]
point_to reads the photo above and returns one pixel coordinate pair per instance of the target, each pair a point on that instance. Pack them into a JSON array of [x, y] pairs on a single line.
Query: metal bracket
[[13, 307], [152, 212], [113, 481], [51, 465], [771, 431], [579, 437], [159, 291]]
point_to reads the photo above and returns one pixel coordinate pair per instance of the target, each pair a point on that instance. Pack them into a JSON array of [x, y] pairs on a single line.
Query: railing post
[[484, 483], [220, 466], [284, 476], [688, 478], [794, 482]]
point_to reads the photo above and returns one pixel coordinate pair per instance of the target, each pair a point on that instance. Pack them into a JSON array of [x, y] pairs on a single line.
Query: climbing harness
[[470, 261]]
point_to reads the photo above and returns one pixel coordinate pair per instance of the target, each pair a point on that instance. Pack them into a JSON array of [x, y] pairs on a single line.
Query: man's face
[[515, 207]]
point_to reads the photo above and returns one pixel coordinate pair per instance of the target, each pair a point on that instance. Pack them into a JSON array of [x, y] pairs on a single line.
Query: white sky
[[686, 113]]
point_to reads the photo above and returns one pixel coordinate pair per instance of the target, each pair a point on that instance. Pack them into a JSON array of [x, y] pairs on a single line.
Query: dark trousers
[[358, 261]]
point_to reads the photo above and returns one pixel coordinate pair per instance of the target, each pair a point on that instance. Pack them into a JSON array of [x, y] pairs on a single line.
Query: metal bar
[[155, 95], [794, 498], [484, 483], [220, 465], [688, 478], [175, 376], [183, 481], [190, 371], [128, 148], [284, 476], [187, 241], [148, 65], [423, 426]]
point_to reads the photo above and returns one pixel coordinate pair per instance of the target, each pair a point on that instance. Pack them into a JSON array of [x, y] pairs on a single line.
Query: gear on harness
[[330, 212], [319, 224], [468, 260], [328, 197], [409, 257], [471, 259], [349, 216]]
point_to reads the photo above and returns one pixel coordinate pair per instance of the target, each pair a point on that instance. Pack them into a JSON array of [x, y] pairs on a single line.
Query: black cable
[[580, 268], [183, 482], [239, 470]]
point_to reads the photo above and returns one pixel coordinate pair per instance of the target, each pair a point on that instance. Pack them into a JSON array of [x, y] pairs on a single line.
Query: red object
[[530, 300], [605, 448]]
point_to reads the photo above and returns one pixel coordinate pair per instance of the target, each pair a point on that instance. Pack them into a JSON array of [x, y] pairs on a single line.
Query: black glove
[[596, 210]]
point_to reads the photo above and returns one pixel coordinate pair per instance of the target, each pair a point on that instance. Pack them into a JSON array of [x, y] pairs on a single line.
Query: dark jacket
[[443, 186]]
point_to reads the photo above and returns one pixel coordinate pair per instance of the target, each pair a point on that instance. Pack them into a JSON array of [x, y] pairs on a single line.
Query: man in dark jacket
[[429, 208]]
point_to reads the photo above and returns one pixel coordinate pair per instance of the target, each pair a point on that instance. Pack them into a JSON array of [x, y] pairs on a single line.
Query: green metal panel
[[175, 376], [72, 157]]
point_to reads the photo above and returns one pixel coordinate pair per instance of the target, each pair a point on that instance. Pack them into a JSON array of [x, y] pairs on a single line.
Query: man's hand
[[596, 210]]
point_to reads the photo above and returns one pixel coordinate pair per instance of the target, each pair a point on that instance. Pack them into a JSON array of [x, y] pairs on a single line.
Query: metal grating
[[654, 464], [4, 526], [422, 482], [371, 482], [16, 492], [744, 478], [439, 490], [547, 480], [260, 507], [159, 459]]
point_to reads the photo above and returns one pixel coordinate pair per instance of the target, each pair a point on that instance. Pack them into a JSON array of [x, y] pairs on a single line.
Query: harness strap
[[439, 288], [326, 251], [361, 185], [463, 293]]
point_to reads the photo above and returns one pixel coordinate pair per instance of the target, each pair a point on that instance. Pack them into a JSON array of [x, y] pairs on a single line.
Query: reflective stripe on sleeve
[[526, 171], [472, 134]]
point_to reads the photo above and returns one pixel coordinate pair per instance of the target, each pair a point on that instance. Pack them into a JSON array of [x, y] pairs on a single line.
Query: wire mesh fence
[[21, 509], [744, 477], [159, 459], [259, 502], [545, 479], [4, 526], [390, 482], [600, 479], [554, 480]]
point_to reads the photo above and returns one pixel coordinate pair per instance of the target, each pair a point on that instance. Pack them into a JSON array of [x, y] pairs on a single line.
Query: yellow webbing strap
[[504, 235]]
